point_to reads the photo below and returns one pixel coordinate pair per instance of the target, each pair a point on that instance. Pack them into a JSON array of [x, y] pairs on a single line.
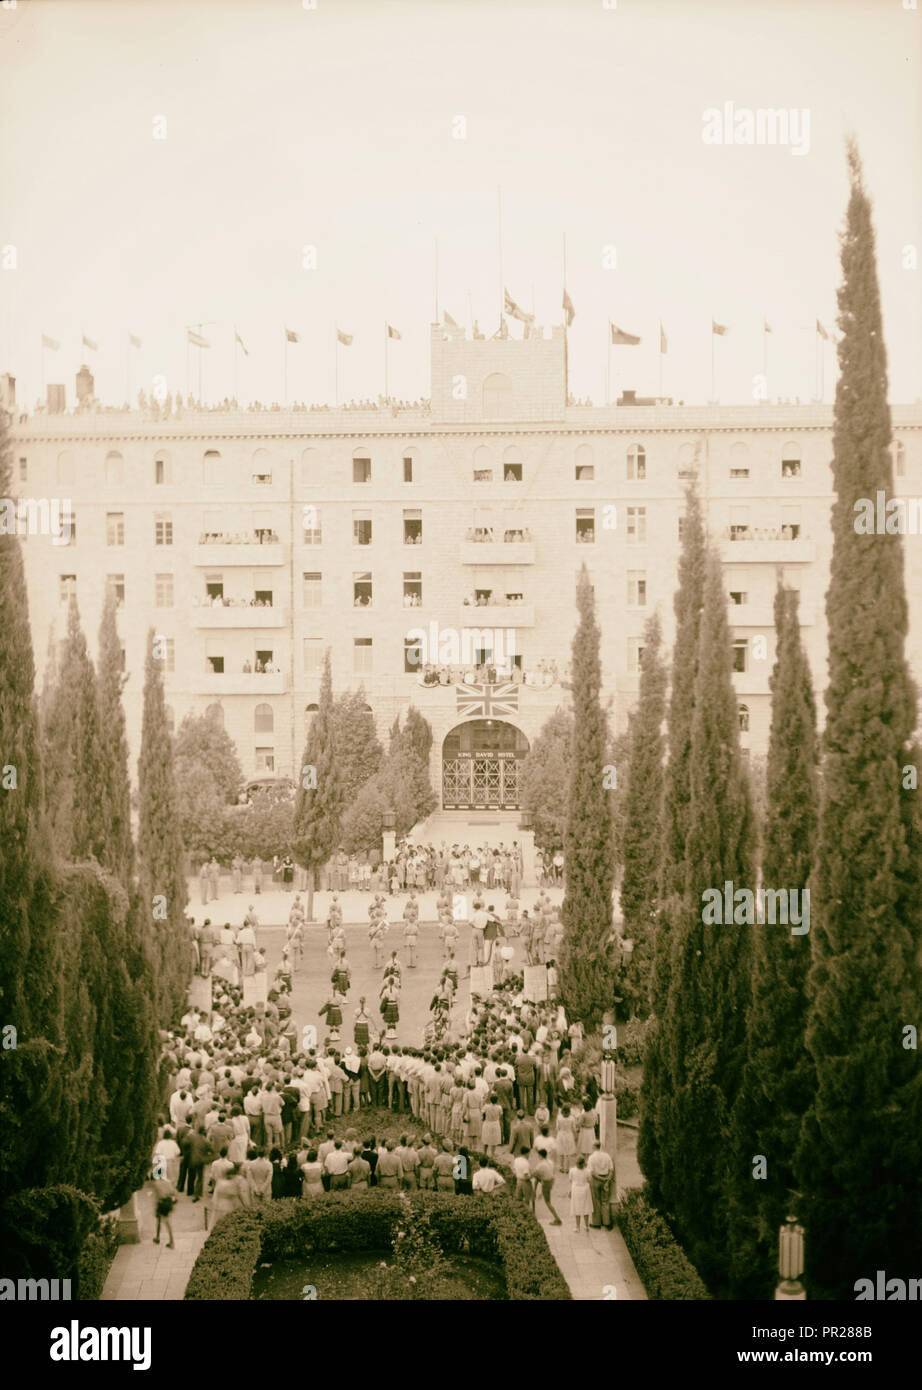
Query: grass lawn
[[348, 1276]]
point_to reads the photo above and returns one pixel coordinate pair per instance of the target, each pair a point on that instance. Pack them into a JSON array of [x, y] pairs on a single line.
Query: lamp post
[[608, 1118], [791, 1262], [390, 838]]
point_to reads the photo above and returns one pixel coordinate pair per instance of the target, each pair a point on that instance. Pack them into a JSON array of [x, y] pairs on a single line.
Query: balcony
[[497, 552], [216, 555], [768, 550], [762, 615], [498, 615], [243, 683], [238, 617]]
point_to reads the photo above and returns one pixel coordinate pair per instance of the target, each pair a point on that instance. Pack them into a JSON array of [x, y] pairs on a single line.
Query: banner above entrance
[[488, 701]]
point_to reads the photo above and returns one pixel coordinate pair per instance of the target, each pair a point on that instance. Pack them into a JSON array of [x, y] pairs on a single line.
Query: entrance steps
[[478, 828]]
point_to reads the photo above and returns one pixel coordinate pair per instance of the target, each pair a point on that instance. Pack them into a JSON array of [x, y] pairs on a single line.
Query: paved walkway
[[149, 1271]]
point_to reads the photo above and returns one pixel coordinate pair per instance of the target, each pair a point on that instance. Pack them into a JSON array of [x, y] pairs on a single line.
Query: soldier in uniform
[[361, 1028]]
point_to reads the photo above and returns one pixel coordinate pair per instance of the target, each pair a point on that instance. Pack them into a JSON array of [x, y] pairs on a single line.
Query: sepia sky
[[333, 127]]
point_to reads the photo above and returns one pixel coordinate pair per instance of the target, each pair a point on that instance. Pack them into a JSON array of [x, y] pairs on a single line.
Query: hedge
[[491, 1227], [664, 1269], [95, 1258]]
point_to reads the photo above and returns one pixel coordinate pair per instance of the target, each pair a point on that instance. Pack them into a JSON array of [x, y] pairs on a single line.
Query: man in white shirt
[[486, 1179], [601, 1176], [479, 921], [180, 1105], [335, 1164]]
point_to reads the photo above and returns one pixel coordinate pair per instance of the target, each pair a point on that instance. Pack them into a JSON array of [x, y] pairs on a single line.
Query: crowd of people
[[485, 673], [249, 1110]]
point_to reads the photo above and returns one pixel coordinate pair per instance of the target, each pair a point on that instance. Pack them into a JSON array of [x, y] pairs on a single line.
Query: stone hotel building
[[452, 532]]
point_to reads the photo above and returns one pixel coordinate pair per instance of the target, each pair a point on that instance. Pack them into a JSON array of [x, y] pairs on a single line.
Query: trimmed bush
[[94, 1260], [491, 1228], [664, 1269]]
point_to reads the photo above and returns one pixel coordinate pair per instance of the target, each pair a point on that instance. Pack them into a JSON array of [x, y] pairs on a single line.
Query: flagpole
[[385, 363], [285, 370], [502, 290], [436, 280], [128, 371], [822, 370], [608, 367], [713, 386], [661, 359], [235, 362], [765, 356], [566, 327], [336, 360]]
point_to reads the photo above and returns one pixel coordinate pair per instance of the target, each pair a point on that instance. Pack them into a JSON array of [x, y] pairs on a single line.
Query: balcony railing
[[233, 550], [238, 616], [772, 547], [243, 682]]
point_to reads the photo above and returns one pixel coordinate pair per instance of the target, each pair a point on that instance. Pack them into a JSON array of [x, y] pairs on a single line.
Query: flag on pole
[[822, 332], [719, 329], [51, 343], [620, 338], [88, 343], [238, 339], [568, 308], [514, 312], [448, 320], [766, 326], [392, 333], [196, 339], [663, 341], [344, 338], [133, 341], [477, 332], [503, 330], [291, 336]]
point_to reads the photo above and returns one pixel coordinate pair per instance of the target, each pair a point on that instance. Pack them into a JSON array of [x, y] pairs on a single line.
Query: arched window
[[211, 463], [310, 465], [739, 460], [742, 713], [899, 458], [636, 463], [311, 709], [512, 464], [688, 461], [262, 467], [66, 467], [163, 467], [361, 466], [263, 719], [585, 464], [483, 465], [115, 469], [216, 712], [497, 397]]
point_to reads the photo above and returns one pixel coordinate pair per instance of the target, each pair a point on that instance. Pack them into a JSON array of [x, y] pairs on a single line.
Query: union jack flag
[[488, 700]]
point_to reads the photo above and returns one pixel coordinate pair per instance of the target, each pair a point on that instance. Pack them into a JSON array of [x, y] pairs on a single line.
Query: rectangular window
[[740, 652], [585, 525], [412, 655], [361, 589], [312, 526], [163, 591], [636, 525], [739, 472], [483, 475], [361, 661], [585, 472], [412, 526], [636, 465], [408, 470], [739, 597], [637, 588], [116, 583], [23, 470], [412, 588], [361, 470], [163, 471], [68, 587], [739, 523], [72, 532], [265, 760], [170, 653], [312, 590], [163, 529], [262, 479], [216, 664], [634, 654], [313, 656], [361, 528], [512, 472], [790, 523], [115, 528], [264, 530]]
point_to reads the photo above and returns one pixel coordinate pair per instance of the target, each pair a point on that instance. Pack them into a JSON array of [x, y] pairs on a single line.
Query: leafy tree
[[642, 811], [115, 804], [657, 1089], [358, 749], [401, 786], [586, 966], [544, 775], [263, 827], [202, 741], [162, 883], [860, 1153], [704, 1020], [778, 1080], [318, 806]]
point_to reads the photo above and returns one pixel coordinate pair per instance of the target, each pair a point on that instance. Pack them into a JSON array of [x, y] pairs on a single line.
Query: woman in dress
[[566, 1144], [231, 1192], [586, 1140], [238, 1146], [457, 1095], [580, 1193], [472, 1117], [492, 1135], [312, 1172], [464, 1176], [292, 1178], [276, 1158]]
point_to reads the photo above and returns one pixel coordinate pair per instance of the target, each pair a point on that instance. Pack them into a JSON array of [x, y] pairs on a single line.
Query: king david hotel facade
[[452, 533]]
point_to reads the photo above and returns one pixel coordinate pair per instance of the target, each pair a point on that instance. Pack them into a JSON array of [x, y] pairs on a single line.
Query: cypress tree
[[704, 1023], [542, 773], [586, 966], [358, 747], [656, 1087], [31, 942], [778, 1077], [318, 808], [641, 812], [861, 1144], [162, 890], [115, 805]]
